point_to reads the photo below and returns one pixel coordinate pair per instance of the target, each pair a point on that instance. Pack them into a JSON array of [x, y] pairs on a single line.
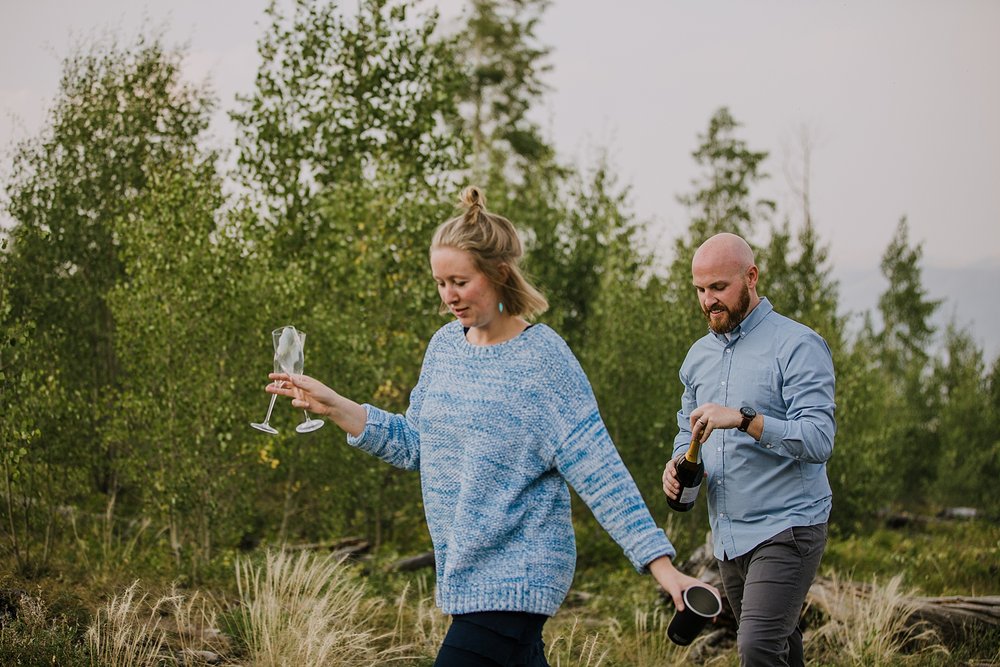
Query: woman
[[502, 417]]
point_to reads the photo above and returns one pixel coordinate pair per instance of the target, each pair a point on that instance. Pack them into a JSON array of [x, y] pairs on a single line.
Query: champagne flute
[[265, 425], [289, 355]]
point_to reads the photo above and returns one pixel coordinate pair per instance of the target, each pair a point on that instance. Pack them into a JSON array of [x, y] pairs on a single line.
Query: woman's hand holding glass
[[310, 394]]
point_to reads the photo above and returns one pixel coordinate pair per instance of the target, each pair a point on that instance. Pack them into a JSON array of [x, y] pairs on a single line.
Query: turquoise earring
[[500, 307]]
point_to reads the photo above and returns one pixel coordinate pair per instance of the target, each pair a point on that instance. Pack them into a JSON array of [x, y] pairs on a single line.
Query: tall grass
[[590, 642], [574, 647], [126, 632], [420, 624], [871, 626], [308, 610], [193, 628]]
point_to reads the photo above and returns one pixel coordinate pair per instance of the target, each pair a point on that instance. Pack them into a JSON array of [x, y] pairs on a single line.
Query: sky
[[898, 102]]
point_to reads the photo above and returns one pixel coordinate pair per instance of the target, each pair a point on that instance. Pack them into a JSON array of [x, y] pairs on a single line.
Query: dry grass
[[871, 626], [591, 643], [175, 629], [126, 632], [307, 609], [420, 624], [191, 626], [573, 646]]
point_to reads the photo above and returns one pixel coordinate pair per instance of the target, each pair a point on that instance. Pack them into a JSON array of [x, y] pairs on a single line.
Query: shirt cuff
[[773, 433]]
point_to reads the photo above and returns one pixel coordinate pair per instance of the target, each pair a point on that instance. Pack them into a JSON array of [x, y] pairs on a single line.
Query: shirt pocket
[[751, 386]]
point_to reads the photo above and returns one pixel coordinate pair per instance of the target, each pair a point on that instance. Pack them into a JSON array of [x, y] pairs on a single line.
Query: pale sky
[[900, 99]]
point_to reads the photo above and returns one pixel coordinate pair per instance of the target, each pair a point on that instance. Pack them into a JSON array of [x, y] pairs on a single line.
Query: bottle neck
[[694, 450]]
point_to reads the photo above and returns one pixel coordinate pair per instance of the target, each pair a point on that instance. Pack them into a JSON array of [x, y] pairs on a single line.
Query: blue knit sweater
[[496, 432]]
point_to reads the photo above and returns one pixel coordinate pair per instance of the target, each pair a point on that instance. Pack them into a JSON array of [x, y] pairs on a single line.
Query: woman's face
[[466, 290]]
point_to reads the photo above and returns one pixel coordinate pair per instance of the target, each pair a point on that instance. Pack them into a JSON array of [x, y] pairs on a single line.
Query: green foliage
[[26, 394], [722, 200], [505, 63], [862, 473], [35, 637], [905, 308], [185, 318], [350, 139], [902, 349], [119, 110], [339, 101], [967, 426], [937, 557], [635, 390]]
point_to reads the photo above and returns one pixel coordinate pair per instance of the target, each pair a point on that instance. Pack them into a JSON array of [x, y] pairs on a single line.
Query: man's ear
[[753, 273]]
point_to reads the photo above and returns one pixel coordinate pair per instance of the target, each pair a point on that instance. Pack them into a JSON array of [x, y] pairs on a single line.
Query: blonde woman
[[501, 419]]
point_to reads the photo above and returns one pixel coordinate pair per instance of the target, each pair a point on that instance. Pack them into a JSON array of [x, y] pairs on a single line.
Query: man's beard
[[731, 318]]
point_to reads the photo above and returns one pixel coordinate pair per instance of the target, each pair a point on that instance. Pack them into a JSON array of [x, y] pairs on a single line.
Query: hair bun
[[472, 198]]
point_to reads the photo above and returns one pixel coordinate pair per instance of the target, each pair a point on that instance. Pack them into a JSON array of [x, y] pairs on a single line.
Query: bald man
[[758, 389]]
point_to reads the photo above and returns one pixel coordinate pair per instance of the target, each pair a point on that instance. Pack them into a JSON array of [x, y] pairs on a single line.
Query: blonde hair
[[494, 244]]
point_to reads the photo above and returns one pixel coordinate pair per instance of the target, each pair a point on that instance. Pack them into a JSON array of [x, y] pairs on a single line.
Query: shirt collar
[[749, 323]]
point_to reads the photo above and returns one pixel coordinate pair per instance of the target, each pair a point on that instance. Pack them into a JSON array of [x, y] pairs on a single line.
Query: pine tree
[[902, 348]]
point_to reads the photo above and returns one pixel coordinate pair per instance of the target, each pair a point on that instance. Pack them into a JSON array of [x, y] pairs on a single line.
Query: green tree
[[906, 311], [797, 282], [186, 320], [118, 111], [500, 46], [31, 473], [505, 64], [967, 425], [863, 472], [991, 503], [902, 350], [722, 200], [339, 100]]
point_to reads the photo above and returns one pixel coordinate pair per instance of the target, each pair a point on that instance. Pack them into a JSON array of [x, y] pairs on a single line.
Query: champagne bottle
[[690, 473]]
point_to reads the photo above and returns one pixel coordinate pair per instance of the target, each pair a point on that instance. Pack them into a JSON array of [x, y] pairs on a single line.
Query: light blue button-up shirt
[[784, 370]]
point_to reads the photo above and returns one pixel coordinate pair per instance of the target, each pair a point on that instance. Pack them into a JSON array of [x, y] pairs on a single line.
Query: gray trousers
[[767, 588]]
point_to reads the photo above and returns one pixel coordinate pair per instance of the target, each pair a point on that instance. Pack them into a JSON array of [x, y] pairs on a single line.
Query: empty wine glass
[[289, 357]]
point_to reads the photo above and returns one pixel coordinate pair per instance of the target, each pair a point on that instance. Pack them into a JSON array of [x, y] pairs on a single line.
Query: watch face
[[748, 413]]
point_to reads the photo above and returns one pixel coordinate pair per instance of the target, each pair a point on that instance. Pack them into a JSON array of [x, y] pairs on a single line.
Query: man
[[758, 390]]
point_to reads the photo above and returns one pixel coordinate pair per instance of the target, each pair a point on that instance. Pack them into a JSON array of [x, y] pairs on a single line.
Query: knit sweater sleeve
[[395, 438], [587, 459]]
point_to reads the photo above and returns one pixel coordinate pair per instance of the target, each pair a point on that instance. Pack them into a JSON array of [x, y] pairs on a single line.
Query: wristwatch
[[748, 414]]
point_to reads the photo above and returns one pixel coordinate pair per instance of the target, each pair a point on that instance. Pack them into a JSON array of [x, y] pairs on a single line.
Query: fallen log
[[411, 563], [955, 616], [348, 546]]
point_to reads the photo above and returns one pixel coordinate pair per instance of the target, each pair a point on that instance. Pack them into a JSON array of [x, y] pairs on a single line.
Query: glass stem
[[270, 408]]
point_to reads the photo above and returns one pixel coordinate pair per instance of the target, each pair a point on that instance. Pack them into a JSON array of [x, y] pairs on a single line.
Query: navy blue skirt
[[494, 639]]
